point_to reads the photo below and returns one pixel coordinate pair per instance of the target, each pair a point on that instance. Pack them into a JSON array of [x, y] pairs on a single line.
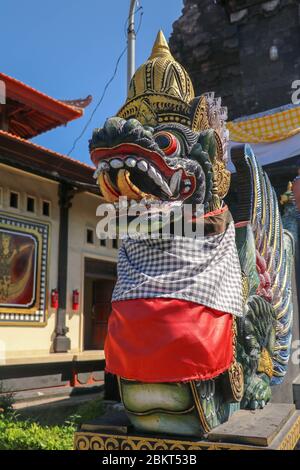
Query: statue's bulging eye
[[168, 143]]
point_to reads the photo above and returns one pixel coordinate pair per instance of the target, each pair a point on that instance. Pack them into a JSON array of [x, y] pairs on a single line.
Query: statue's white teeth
[[116, 163], [157, 178], [143, 166], [152, 173], [175, 182], [102, 166], [166, 189], [131, 162], [187, 186]]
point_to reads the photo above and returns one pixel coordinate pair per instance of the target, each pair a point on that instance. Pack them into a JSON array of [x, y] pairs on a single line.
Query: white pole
[[131, 43]]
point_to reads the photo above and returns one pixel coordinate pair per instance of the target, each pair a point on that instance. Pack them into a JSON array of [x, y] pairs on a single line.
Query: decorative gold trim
[[160, 90], [265, 363], [26, 231], [108, 442], [288, 196], [200, 118], [245, 287], [219, 148], [236, 380], [292, 437], [203, 422], [156, 108], [222, 178], [35, 324], [233, 378]]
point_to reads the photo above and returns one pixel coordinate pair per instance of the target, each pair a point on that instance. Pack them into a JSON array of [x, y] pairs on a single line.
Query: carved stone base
[[277, 427]]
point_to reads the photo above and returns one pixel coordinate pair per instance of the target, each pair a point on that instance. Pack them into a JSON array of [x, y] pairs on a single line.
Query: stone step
[[53, 392], [59, 409]]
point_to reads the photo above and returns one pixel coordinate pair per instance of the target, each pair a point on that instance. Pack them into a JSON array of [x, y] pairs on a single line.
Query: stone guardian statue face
[[164, 144]]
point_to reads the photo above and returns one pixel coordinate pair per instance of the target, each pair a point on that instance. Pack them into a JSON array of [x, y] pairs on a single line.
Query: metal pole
[[131, 43]]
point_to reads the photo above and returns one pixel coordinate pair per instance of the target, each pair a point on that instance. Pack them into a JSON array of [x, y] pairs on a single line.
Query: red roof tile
[[31, 112]]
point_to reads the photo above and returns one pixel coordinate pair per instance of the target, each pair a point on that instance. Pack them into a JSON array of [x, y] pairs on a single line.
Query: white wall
[[27, 340], [20, 341], [82, 217]]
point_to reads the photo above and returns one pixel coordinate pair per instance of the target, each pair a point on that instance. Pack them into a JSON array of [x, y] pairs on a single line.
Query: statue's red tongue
[[170, 340]]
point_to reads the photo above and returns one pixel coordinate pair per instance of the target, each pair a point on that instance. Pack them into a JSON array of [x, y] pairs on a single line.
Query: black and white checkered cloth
[[205, 271]]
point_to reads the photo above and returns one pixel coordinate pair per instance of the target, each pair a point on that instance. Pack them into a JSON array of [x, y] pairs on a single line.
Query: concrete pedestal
[[276, 427]]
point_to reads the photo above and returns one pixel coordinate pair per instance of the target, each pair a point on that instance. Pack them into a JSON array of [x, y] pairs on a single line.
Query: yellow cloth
[[271, 128]]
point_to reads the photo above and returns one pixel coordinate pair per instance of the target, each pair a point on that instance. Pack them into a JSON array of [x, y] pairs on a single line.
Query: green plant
[[28, 435], [7, 399], [87, 412], [17, 433]]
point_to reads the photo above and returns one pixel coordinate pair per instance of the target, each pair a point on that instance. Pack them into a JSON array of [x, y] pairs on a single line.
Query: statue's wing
[[268, 270]]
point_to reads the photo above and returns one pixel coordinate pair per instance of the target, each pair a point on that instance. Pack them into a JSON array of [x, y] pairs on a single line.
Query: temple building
[[56, 276]]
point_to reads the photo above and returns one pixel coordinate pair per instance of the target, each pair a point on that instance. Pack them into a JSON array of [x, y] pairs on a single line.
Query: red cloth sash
[[167, 340]]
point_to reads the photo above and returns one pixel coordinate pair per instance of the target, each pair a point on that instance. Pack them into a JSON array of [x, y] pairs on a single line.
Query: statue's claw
[[258, 392]]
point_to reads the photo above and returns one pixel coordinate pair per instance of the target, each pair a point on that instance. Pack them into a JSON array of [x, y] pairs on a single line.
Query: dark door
[[102, 292]]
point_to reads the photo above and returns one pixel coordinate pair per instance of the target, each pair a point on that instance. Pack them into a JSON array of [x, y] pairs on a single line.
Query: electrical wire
[[139, 9], [126, 25]]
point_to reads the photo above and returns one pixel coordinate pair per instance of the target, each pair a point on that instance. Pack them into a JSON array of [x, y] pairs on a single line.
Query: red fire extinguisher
[[75, 302], [54, 298]]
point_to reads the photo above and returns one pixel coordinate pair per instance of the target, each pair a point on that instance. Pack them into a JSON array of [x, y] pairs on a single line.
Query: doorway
[[100, 279]]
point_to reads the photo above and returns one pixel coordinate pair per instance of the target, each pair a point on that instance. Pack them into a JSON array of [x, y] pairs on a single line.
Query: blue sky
[[68, 49]]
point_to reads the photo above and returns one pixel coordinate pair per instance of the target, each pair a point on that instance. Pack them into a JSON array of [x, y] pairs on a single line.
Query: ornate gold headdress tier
[[161, 90]]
